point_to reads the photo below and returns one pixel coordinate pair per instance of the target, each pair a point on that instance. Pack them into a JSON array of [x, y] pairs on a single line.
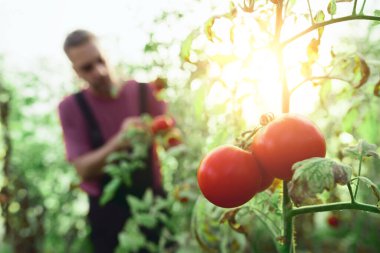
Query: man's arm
[[90, 165]]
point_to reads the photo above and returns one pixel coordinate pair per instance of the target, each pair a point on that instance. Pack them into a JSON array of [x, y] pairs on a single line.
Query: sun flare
[[246, 67]]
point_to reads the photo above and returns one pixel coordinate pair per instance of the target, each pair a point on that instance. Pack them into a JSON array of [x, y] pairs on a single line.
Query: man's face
[[90, 65]]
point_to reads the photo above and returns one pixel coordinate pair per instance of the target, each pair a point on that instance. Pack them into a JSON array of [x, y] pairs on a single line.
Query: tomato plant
[[229, 176], [286, 140]]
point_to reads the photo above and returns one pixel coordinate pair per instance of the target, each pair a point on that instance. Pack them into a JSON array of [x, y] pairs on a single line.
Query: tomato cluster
[[164, 126], [230, 176]]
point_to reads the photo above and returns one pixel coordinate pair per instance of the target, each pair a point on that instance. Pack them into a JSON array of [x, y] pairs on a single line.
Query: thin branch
[[360, 170], [288, 219], [351, 194], [354, 9], [362, 9], [329, 22], [311, 13], [333, 207], [315, 78]]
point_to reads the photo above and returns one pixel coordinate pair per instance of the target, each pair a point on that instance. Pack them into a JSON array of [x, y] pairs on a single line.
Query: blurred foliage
[[47, 212]]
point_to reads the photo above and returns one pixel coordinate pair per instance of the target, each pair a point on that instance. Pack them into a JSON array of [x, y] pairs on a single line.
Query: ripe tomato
[[172, 138], [266, 180], [333, 221], [162, 123], [229, 176], [284, 141]]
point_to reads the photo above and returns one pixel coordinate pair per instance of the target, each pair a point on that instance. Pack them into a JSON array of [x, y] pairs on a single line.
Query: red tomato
[[333, 221], [162, 123], [173, 138], [266, 180], [229, 176], [284, 141]]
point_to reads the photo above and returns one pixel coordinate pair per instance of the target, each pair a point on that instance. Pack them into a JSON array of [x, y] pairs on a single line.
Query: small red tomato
[[174, 141], [229, 176], [333, 221], [162, 123], [172, 138]]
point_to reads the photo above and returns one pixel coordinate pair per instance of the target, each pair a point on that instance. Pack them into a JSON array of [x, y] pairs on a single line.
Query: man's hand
[[131, 122]]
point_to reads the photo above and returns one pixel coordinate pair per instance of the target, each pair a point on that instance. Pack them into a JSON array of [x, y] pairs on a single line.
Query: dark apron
[[108, 221]]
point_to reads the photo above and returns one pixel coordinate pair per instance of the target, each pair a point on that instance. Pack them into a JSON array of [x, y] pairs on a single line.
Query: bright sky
[[30, 29], [35, 29]]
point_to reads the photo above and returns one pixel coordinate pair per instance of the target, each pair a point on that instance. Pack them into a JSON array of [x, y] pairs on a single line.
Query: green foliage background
[[46, 210]]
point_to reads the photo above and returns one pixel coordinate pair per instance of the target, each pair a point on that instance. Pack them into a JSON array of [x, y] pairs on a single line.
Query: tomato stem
[[286, 204], [329, 22], [333, 207], [287, 219], [360, 170], [354, 8], [351, 193]]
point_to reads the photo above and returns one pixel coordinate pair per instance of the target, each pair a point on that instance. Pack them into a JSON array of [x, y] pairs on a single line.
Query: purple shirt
[[109, 113]]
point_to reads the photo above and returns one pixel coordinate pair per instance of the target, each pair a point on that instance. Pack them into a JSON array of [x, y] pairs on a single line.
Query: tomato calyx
[[245, 140]]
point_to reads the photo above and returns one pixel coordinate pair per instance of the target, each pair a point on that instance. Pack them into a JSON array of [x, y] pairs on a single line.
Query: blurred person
[[93, 122]]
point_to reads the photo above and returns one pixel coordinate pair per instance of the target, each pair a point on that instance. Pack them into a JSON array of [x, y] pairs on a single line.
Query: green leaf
[[187, 44], [331, 8], [145, 219], [109, 191], [136, 204], [148, 197], [313, 176], [377, 13], [362, 149], [318, 18]]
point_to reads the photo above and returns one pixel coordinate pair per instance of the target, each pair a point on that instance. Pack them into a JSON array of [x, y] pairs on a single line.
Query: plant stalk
[[329, 22]]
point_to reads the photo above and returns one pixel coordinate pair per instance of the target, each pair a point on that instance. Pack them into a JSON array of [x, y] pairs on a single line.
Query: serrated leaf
[[363, 149], [318, 18], [331, 8], [370, 184], [313, 176], [109, 191], [376, 90]]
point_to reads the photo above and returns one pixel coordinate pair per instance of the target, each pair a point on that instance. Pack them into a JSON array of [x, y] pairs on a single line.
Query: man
[[114, 108]]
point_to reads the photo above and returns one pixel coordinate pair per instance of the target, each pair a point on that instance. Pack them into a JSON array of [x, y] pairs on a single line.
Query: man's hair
[[77, 38]]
